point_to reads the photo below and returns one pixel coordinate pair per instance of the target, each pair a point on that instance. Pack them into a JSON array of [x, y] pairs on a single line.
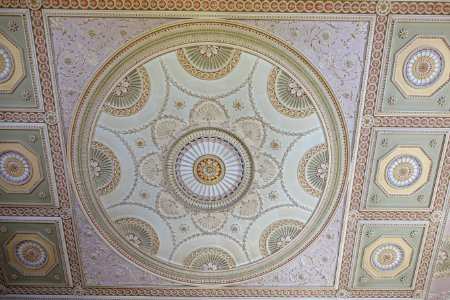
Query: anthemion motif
[[203, 146]]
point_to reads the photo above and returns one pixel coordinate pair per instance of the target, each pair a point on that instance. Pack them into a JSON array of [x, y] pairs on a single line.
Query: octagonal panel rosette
[[31, 254], [20, 170], [387, 257], [403, 171], [173, 166], [422, 67], [12, 69]]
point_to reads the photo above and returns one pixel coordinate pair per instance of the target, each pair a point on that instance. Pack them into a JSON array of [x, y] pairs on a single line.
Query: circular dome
[[209, 169], [184, 172]]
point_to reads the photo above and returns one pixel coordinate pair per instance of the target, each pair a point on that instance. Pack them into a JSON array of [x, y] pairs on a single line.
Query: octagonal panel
[[20, 170], [387, 257], [422, 67], [403, 171], [12, 69], [31, 254]]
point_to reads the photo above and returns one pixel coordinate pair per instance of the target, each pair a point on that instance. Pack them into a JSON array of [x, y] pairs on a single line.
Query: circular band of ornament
[[277, 235], [312, 170], [129, 95], [140, 234], [208, 61], [31, 254], [387, 257], [209, 259], [209, 169], [423, 67], [249, 40], [6, 64], [15, 168], [442, 269], [287, 96], [104, 167], [403, 171]]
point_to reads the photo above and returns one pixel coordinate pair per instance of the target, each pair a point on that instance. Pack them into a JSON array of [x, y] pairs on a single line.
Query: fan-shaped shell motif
[[150, 169], [129, 95], [248, 207], [165, 130], [209, 259], [277, 235], [105, 168], [266, 170], [169, 207], [209, 221], [209, 112], [208, 62], [252, 131], [313, 170], [140, 234], [288, 96]]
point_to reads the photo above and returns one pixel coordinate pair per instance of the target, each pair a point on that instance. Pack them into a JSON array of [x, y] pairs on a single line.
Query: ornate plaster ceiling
[[255, 153]]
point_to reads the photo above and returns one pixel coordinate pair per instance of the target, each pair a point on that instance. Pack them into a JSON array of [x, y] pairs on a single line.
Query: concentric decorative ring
[[31, 254], [14, 168], [209, 169], [387, 257], [403, 171], [423, 67], [6, 64], [209, 259]]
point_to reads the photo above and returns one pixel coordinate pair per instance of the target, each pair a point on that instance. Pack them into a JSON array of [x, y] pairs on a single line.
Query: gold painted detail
[[139, 234], [209, 169], [129, 95], [278, 235], [31, 254], [287, 96], [104, 167], [443, 260], [312, 170], [209, 259], [208, 62]]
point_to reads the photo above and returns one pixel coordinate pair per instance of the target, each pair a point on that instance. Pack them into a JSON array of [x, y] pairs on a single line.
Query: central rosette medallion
[[209, 169]]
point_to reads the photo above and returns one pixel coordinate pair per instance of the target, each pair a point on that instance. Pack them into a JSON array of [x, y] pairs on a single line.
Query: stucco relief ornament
[[443, 262], [383, 7], [31, 254], [15, 168], [423, 67], [6, 64]]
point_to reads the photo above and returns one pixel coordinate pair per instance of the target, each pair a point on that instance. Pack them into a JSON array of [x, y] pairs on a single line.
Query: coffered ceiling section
[[225, 148]]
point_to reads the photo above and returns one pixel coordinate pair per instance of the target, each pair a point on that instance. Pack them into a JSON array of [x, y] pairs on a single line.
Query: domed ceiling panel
[[217, 130], [214, 218]]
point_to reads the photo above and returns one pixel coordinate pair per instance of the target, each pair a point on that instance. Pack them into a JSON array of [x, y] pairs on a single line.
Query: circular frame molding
[[243, 37]]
